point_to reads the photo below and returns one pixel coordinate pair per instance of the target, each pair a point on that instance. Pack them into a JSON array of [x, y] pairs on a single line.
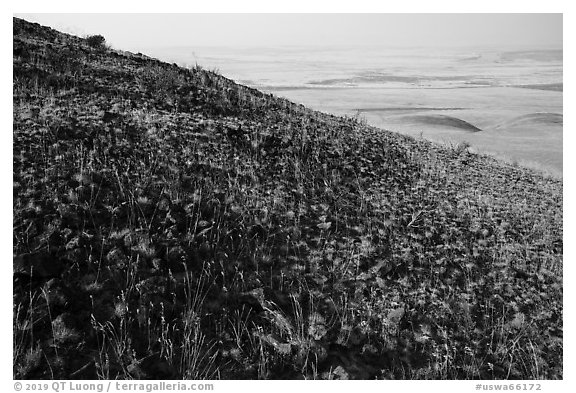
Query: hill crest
[[170, 223]]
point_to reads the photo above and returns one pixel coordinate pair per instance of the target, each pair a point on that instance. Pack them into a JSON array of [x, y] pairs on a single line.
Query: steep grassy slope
[[169, 223]]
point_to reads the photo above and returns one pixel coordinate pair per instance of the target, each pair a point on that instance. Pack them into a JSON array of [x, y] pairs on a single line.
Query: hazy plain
[[503, 101]]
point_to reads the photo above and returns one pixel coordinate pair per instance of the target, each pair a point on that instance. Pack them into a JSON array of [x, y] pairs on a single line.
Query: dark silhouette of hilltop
[[171, 223]]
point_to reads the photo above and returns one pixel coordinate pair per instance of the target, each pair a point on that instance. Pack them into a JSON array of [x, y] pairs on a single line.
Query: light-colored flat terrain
[[517, 124], [513, 95]]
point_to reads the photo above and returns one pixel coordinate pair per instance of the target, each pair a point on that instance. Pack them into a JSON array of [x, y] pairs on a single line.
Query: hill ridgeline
[[171, 223]]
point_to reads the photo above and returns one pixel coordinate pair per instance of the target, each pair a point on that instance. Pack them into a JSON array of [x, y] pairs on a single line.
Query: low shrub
[[96, 41]]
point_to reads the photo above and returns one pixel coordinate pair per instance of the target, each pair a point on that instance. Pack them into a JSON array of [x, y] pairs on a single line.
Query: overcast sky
[[132, 31]]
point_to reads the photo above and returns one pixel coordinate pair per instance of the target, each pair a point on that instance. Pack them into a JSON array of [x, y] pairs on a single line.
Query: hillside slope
[[170, 223]]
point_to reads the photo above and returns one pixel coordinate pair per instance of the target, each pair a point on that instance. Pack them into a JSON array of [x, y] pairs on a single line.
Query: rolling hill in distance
[[485, 86], [171, 223]]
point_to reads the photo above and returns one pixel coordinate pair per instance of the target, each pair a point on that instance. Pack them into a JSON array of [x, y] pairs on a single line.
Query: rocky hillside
[[170, 223]]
